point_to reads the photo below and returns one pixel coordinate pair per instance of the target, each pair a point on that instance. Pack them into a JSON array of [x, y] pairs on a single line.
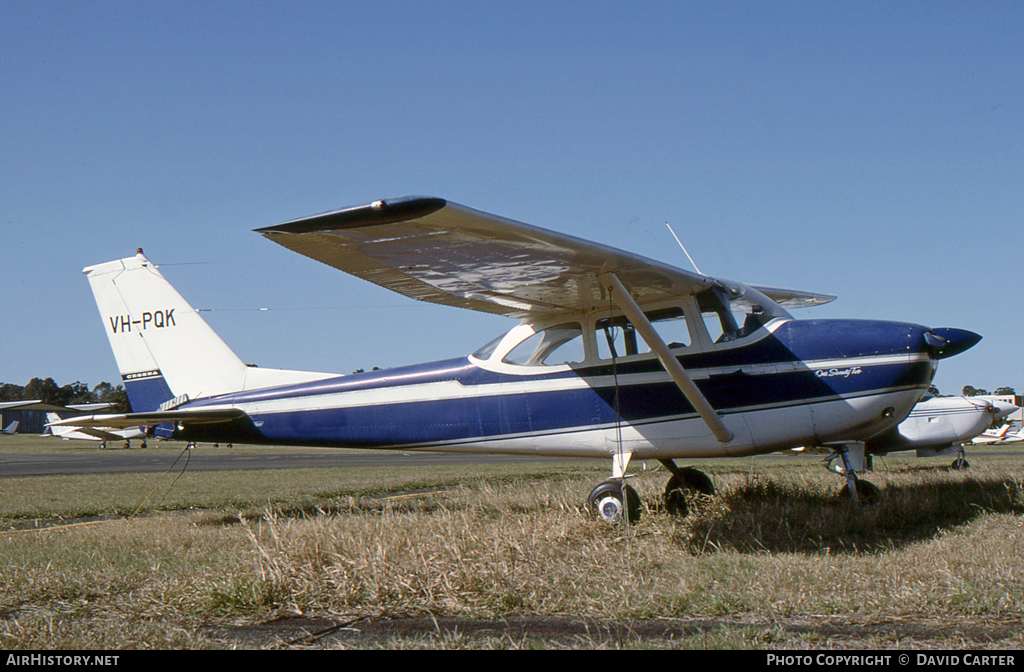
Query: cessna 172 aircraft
[[615, 356]]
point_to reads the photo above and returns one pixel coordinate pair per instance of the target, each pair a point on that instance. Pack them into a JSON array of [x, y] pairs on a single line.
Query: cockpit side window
[[560, 344], [617, 337]]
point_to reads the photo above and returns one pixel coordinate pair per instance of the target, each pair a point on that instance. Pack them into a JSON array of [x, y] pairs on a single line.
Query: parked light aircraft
[[1005, 434], [941, 426], [615, 356], [101, 434]]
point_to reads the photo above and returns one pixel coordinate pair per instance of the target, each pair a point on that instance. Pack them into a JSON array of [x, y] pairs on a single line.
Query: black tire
[[867, 492], [960, 464], [605, 501], [684, 485]]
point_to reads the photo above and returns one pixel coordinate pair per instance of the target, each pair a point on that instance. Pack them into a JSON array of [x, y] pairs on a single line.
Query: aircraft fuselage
[[791, 383]]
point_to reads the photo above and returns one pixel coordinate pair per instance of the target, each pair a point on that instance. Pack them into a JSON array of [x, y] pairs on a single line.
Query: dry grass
[[773, 561]]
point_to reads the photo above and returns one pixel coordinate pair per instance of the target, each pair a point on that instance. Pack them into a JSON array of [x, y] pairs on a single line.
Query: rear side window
[[560, 344]]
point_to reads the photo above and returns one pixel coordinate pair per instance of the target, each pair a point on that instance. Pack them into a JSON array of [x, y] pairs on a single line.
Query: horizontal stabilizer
[[122, 420]]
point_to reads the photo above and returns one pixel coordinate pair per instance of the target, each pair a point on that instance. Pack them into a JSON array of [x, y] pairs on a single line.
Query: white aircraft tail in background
[[1001, 435], [11, 428]]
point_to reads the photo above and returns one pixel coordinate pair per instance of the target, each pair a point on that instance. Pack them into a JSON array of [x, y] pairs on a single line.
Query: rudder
[[163, 348]]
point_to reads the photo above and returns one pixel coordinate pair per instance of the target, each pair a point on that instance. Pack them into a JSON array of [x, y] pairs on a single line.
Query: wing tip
[[384, 211]]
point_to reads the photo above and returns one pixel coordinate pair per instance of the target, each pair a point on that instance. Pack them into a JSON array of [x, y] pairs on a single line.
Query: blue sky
[[873, 150]]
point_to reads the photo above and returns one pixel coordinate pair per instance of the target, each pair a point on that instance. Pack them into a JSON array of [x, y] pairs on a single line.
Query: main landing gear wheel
[[606, 501], [867, 492], [685, 484]]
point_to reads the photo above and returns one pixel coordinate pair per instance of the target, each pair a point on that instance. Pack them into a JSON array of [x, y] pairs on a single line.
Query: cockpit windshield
[[732, 312]]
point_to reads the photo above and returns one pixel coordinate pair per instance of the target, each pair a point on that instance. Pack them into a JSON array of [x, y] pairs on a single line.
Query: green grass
[[775, 560]]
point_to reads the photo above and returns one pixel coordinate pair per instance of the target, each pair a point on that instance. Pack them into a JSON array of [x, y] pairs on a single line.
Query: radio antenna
[[684, 248]]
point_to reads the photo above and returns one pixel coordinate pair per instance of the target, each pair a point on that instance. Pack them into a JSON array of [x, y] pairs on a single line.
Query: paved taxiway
[[139, 461]]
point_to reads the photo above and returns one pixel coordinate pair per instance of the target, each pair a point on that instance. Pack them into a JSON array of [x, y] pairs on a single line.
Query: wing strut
[[671, 364]]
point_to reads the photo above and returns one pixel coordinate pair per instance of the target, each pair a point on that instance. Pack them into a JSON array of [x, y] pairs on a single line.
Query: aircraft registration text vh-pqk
[[613, 356], [150, 319]]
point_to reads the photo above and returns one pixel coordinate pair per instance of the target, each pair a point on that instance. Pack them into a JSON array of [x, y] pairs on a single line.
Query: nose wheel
[[847, 461], [961, 460]]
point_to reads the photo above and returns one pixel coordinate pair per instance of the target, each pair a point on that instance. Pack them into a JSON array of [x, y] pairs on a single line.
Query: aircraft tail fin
[[163, 347], [11, 428]]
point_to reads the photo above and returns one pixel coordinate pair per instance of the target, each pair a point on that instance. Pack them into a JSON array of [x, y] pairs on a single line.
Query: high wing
[[433, 250]]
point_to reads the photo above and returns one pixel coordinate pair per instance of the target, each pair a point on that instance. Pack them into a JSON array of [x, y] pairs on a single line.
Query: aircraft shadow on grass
[[764, 515]]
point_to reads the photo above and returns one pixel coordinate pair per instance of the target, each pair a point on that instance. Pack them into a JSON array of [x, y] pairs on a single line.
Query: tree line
[[971, 391], [77, 392]]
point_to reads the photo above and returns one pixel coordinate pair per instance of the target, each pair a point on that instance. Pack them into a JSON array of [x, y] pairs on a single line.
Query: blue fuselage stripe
[[487, 403]]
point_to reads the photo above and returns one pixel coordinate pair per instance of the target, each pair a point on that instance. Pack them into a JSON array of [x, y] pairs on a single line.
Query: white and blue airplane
[[615, 356]]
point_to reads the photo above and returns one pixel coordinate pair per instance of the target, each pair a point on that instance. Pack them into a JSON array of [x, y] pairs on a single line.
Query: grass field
[[505, 556]]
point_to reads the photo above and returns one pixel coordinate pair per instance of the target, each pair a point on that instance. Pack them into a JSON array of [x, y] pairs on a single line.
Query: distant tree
[[1005, 391], [971, 391], [78, 393], [103, 390], [45, 390], [934, 391], [107, 393], [9, 392]]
